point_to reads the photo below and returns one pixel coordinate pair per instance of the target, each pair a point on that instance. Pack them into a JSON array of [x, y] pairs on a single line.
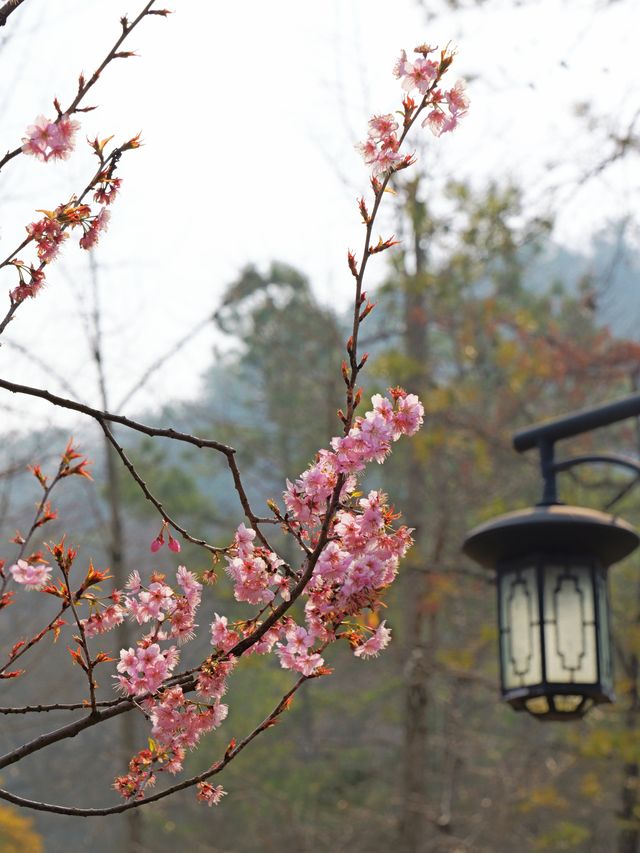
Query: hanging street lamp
[[551, 563]]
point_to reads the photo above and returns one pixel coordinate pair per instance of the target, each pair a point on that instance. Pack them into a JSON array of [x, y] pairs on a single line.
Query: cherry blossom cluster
[[144, 669], [55, 140], [369, 439], [356, 565], [107, 188], [48, 233], [30, 281], [173, 612], [254, 570], [381, 150], [104, 620], [177, 724], [51, 140]]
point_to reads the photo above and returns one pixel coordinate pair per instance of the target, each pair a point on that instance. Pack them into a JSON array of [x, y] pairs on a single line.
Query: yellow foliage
[[599, 743], [564, 836], [590, 786], [546, 796], [17, 834], [488, 634], [457, 659], [632, 639]]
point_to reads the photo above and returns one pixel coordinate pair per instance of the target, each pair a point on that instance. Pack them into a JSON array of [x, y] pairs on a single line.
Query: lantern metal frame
[[551, 535]]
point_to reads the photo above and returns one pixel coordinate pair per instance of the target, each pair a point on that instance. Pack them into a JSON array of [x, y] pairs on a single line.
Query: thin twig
[[156, 503], [60, 706], [35, 639]]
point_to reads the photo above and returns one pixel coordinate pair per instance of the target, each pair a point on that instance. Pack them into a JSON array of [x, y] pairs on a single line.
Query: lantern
[[554, 641]]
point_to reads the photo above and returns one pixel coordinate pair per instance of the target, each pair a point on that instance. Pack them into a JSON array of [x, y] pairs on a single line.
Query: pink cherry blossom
[[419, 75], [457, 99], [31, 577], [49, 236], [88, 241], [28, 288], [133, 583], [212, 679], [143, 670], [438, 122], [382, 127], [103, 621], [210, 795], [400, 67], [375, 644], [244, 540], [107, 191], [221, 636], [50, 139]]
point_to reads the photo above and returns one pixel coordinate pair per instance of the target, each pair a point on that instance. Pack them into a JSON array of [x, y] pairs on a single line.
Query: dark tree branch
[[9, 7]]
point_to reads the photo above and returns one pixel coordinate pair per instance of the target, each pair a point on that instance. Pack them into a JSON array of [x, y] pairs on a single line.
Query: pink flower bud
[[174, 545], [157, 543]]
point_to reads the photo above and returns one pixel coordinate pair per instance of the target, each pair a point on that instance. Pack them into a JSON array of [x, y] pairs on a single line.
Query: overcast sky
[[249, 113]]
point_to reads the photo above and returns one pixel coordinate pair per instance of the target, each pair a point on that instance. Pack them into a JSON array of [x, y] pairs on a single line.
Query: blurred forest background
[[495, 324]]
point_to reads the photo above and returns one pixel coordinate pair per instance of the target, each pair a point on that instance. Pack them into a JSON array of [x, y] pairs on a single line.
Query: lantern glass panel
[[604, 636], [520, 628], [569, 625]]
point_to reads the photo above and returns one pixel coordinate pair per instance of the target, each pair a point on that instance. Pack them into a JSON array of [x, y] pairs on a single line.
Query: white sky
[[249, 112]]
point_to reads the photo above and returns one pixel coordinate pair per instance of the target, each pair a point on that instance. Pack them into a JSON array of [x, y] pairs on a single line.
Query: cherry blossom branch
[[24, 647], [231, 753], [89, 663], [85, 86], [37, 275], [379, 188], [111, 159], [323, 509], [38, 521]]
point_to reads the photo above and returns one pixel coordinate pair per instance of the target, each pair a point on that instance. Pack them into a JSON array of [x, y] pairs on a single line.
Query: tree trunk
[[412, 820]]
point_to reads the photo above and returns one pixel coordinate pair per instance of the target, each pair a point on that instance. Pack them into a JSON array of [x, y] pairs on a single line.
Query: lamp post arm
[[577, 423]]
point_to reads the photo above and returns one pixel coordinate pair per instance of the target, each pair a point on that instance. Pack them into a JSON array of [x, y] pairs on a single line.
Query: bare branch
[[74, 406]]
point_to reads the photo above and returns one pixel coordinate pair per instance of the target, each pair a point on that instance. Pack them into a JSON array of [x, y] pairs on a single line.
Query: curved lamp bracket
[[544, 436], [605, 459]]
